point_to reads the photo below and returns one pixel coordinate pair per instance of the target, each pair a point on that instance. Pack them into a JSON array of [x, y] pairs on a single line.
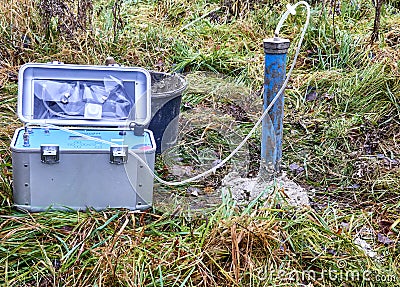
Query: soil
[[245, 190]]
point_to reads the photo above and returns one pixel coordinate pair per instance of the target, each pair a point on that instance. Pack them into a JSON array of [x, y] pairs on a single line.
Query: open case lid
[[80, 95]]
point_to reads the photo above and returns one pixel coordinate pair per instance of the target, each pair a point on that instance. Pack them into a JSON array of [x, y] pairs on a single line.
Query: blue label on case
[[70, 141]]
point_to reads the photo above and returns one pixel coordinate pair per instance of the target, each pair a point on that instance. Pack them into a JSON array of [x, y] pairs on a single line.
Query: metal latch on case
[[49, 153], [119, 154]]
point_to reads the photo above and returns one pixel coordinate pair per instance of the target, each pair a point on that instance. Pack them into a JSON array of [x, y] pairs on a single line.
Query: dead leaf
[[384, 239], [181, 170], [295, 168], [385, 225], [328, 97], [312, 96], [193, 191], [353, 186], [208, 189]]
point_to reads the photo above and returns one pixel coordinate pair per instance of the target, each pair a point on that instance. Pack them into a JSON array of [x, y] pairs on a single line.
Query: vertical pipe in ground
[[275, 50]]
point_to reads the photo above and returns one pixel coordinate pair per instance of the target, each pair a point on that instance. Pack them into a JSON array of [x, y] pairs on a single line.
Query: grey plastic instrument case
[[83, 128]]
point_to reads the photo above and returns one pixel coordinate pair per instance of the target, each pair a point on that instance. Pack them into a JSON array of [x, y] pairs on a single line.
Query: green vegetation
[[341, 129]]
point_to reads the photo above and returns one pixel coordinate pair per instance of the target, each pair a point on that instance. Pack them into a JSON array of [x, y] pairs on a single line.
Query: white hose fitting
[[291, 9]]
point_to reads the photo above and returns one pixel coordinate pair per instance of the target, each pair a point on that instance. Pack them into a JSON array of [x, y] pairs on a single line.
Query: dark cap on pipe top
[[276, 45]]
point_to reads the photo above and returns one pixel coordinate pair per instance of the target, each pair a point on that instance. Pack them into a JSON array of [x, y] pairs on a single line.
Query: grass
[[345, 139], [230, 246]]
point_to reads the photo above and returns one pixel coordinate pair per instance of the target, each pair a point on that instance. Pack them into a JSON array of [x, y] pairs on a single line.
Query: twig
[[377, 21]]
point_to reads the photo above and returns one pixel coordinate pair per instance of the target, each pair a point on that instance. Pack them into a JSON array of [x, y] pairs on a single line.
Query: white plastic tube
[[290, 10]]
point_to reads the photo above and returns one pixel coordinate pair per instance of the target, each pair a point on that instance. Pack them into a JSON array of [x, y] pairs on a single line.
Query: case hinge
[[50, 153], [119, 154], [55, 63]]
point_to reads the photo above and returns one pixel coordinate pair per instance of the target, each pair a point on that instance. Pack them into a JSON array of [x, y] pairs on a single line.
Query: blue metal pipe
[[275, 50]]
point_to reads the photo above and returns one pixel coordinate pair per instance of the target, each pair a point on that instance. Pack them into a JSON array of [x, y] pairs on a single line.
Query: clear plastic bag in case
[[95, 100]]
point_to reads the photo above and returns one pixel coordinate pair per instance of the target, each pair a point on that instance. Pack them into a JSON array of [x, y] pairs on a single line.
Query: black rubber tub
[[166, 97]]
